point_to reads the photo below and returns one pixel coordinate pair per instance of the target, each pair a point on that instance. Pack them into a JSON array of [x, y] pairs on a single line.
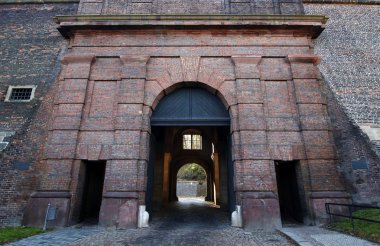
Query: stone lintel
[[311, 25], [329, 194], [51, 194], [259, 195], [121, 194]]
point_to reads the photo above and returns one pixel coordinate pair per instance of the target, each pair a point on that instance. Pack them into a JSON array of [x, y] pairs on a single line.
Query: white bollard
[[236, 217], [143, 219]]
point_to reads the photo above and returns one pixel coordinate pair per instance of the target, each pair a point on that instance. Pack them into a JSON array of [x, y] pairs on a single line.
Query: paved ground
[[191, 222], [186, 223], [316, 236]]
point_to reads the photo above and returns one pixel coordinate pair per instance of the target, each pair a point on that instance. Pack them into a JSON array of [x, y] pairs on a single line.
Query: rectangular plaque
[[51, 213], [359, 164]]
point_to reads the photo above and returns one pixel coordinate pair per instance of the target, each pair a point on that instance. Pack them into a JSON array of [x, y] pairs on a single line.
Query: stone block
[[63, 137], [166, 71], [253, 137], [282, 123], [319, 199], [127, 137], [304, 66], [120, 212], [287, 152], [35, 210], [60, 151], [320, 151], [102, 99], [227, 93], [285, 138], [318, 137], [106, 69], [96, 137], [308, 91], [251, 117], [77, 66], [261, 214], [249, 91], [66, 123], [310, 110], [121, 175], [73, 85], [129, 117], [153, 93], [275, 69], [190, 67], [70, 97], [315, 123], [245, 168], [255, 151], [246, 67], [125, 151], [278, 99], [131, 91], [97, 124]]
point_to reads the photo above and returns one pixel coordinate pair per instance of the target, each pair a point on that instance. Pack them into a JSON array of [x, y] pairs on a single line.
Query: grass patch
[[10, 234], [363, 229]]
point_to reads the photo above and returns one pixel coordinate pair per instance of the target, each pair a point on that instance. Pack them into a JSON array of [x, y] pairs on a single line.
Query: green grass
[[10, 234], [363, 229]]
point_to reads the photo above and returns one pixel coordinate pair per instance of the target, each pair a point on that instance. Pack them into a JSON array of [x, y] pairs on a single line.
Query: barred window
[[20, 93], [192, 141]]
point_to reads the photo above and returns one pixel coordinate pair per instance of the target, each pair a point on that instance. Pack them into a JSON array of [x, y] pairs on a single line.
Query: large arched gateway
[[190, 125], [141, 95]]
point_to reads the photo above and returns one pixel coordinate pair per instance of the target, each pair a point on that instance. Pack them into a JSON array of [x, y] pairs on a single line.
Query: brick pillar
[[125, 178], [254, 178], [320, 166], [60, 148]]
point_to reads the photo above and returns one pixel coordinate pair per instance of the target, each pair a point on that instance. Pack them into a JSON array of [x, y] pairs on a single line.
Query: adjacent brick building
[[116, 100]]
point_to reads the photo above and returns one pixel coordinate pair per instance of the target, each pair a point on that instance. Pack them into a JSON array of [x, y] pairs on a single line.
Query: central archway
[[190, 125], [191, 182]]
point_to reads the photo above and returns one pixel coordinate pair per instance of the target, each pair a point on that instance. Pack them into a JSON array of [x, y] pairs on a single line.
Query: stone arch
[[190, 105]]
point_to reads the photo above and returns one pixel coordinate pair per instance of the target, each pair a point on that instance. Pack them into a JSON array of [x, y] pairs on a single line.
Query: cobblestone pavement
[[59, 237], [186, 223]]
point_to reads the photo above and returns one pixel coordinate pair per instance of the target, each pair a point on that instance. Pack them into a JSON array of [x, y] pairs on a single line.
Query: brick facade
[[111, 81], [30, 51]]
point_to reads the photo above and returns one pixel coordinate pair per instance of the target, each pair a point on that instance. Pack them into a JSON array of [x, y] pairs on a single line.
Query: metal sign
[[359, 164], [51, 214]]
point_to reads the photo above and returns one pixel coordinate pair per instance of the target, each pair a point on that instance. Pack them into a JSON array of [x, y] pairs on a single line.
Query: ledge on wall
[[374, 2], [37, 1], [311, 24]]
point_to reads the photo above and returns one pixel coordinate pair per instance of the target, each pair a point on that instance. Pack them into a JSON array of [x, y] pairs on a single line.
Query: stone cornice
[[311, 24]]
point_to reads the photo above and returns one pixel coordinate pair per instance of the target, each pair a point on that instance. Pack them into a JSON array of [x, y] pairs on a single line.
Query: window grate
[[21, 94]]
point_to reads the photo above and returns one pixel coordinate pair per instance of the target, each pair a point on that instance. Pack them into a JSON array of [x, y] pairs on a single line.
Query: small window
[[20, 93], [192, 141]]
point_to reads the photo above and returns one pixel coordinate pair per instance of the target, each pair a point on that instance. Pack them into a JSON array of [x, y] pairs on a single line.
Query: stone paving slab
[[317, 236]]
